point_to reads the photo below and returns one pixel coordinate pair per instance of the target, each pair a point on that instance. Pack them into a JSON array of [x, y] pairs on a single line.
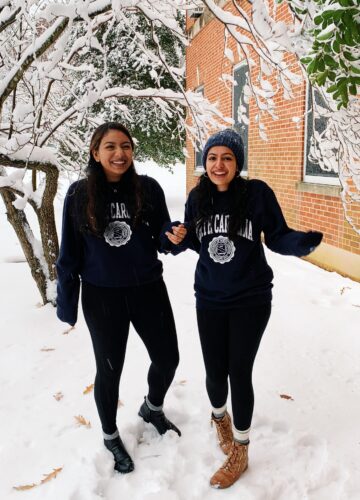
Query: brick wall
[[279, 161]]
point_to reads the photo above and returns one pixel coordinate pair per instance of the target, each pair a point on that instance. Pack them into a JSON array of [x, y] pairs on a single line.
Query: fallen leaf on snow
[[285, 396], [47, 349], [66, 332], [59, 395], [51, 475], [47, 477], [180, 382], [88, 389], [82, 421], [25, 487]]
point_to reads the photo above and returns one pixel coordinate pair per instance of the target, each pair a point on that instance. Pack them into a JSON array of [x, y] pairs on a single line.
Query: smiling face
[[115, 154], [221, 166]]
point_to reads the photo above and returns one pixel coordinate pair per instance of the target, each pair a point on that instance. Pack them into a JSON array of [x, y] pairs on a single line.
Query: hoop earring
[[205, 175], [238, 174]]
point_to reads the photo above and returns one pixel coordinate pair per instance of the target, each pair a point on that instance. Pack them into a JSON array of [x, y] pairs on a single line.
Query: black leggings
[[230, 340], [108, 313]]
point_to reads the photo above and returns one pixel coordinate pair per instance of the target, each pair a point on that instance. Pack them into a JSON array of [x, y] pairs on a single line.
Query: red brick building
[[309, 197]]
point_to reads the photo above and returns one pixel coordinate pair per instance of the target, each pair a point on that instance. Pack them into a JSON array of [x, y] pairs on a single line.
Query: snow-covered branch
[[319, 41], [67, 66], [8, 18]]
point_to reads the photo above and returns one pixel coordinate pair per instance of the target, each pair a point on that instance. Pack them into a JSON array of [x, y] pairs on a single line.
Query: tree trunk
[[47, 225], [18, 220]]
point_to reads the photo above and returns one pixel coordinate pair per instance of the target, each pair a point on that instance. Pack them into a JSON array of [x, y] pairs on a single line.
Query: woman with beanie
[[110, 236], [225, 216]]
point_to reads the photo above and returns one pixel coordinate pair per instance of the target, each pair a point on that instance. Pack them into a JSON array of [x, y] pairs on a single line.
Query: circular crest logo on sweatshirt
[[117, 233], [221, 249]]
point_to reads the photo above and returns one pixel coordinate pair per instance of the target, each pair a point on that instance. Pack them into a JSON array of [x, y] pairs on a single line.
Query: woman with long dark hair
[[110, 237], [225, 216]]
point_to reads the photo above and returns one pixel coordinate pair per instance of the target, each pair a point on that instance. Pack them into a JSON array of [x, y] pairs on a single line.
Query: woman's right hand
[[177, 235]]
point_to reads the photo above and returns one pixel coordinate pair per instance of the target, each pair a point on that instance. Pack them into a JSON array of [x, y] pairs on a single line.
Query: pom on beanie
[[230, 139]]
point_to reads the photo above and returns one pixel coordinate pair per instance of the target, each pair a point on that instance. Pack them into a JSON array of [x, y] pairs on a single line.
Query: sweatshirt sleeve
[[190, 240], [161, 217], [68, 263], [282, 239]]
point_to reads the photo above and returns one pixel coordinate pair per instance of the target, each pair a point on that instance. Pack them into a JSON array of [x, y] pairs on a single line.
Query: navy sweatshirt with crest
[[235, 273], [123, 256]]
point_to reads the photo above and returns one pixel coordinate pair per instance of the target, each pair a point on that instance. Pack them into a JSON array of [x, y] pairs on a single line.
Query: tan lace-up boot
[[235, 464], [224, 431]]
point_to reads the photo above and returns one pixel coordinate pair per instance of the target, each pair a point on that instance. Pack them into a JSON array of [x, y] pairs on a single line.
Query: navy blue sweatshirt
[[235, 273], [124, 256]]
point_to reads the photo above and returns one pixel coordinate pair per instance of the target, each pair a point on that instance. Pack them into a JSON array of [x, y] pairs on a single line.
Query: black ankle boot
[[123, 461], [158, 419]]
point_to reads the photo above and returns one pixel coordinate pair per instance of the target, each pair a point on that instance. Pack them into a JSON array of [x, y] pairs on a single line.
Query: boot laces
[[222, 426], [236, 455]]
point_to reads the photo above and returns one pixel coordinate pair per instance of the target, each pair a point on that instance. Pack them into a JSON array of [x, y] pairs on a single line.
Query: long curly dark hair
[[95, 206], [238, 203]]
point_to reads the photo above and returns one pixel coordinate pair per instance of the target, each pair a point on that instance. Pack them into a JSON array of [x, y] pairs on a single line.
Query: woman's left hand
[[177, 235]]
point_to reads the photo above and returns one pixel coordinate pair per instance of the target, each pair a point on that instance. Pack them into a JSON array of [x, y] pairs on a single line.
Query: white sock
[[241, 436], [151, 406], [219, 412], [111, 436]]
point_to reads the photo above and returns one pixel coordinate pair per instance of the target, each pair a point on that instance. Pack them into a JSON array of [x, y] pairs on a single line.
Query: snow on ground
[[302, 448]]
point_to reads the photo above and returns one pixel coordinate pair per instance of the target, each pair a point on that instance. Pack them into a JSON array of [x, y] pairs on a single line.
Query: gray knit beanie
[[230, 139]]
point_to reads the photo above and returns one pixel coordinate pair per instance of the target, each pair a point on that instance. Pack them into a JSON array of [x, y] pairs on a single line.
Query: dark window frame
[[239, 126], [312, 172]]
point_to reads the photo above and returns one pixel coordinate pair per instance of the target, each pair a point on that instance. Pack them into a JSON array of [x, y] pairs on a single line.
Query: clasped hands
[[177, 235]]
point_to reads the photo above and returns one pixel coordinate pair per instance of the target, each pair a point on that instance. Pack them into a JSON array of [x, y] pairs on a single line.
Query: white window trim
[[317, 179], [199, 169], [313, 179], [244, 172], [196, 12]]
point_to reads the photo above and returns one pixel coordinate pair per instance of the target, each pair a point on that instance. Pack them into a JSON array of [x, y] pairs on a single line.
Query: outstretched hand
[[177, 235], [311, 240]]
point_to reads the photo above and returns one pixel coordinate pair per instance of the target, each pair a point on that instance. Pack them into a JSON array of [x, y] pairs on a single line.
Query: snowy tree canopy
[[48, 93], [55, 59], [56, 87]]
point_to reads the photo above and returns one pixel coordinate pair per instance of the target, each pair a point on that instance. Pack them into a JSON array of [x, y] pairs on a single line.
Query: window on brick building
[[198, 150], [312, 170], [240, 74]]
